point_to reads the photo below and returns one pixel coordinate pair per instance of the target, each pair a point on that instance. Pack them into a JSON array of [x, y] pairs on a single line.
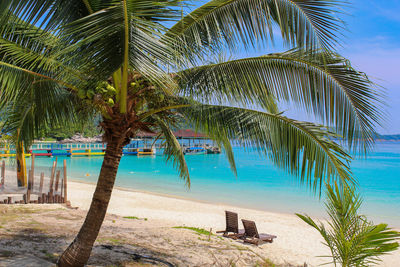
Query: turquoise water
[[259, 184]]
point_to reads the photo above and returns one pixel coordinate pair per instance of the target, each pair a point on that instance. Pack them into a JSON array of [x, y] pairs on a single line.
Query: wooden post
[[32, 180], [44, 198], [41, 183], [28, 192], [65, 181], [53, 170], [33, 170], [57, 180], [62, 187], [9, 200], [3, 173]]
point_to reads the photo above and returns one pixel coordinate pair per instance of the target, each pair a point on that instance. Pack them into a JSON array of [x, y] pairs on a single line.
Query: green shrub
[[352, 239]]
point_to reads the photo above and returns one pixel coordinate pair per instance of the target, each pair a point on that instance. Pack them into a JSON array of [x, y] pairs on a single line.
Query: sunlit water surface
[[259, 184]]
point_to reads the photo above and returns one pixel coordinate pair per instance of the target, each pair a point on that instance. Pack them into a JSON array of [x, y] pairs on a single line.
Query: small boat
[[198, 150], [146, 152], [131, 151], [213, 150]]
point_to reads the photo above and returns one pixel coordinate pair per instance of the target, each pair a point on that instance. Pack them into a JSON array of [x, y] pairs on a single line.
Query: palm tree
[[351, 238], [68, 60]]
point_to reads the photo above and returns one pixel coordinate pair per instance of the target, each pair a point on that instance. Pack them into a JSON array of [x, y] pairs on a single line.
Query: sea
[[258, 184]]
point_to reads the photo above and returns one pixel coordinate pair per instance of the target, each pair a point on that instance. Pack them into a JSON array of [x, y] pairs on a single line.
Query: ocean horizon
[[258, 185]]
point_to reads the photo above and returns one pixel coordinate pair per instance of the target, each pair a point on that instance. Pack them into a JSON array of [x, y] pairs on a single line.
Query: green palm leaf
[[304, 149], [34, 110], [351, 238], [173, 149], [323, 84], [48, 15], [303, 23], [97, 42]]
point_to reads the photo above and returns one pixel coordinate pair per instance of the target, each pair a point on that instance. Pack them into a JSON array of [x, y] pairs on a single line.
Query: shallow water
[[259, 184]]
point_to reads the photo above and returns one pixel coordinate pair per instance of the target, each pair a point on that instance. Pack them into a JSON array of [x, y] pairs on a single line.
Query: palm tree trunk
[[78, 252]]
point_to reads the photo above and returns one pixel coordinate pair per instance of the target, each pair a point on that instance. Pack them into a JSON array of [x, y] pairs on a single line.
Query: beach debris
[[68, 205]]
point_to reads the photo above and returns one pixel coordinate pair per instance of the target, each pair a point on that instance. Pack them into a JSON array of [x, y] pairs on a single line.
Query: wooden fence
[[55, 193]]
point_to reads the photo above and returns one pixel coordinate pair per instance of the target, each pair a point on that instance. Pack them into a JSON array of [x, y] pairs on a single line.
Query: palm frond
[[96, 42], [323, 84], [47, 15], [39, 106], [155, 11], [351, 238], [302, 23], [26, 49], [303, 149], [173, 150]]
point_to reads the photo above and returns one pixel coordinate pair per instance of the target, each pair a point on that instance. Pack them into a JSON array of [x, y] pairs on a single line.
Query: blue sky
[[372, 43]]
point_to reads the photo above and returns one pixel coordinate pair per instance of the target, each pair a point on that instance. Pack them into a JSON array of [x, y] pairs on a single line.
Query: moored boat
[[146, 151], [131, 151], [213, 150], [198, 150]]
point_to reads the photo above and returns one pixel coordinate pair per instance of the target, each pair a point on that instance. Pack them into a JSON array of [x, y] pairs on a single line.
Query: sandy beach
[[297, 243]]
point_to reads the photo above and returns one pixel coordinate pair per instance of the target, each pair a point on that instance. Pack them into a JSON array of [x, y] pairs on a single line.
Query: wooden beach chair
[[232, 226], [251, 234]]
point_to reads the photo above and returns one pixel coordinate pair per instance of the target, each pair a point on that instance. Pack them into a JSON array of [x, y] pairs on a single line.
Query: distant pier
[[144, 145]]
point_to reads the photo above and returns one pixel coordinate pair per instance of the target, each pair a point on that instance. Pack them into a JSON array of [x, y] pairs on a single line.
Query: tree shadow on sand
[[34, 243]]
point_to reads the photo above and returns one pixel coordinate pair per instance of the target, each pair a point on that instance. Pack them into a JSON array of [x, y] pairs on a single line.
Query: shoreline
[[172, 196], [321, 218], [161, 211], [297, 243], [318, 213]]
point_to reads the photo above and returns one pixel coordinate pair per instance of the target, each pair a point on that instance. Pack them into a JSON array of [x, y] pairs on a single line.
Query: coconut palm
[[352, 239], [69, 60]]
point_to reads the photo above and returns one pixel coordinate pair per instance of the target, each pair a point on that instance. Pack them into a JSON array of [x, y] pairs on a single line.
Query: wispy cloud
[[390, 12], [377, 58]]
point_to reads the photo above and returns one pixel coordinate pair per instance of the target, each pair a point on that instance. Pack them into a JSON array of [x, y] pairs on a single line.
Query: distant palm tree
[[68, 60], [351, 238]]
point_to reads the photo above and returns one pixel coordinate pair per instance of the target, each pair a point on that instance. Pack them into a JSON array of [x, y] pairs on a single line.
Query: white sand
[[297, 243]]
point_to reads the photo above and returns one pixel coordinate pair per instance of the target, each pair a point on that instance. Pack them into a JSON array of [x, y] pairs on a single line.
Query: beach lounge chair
[[232, 226], [252, 236]]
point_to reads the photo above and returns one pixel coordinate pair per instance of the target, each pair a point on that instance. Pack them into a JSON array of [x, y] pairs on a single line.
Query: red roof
[[187, 133], [184, 133]]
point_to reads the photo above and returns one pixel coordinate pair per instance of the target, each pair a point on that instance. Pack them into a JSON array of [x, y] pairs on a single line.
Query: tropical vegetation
[[352, 239], [154, 65]]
